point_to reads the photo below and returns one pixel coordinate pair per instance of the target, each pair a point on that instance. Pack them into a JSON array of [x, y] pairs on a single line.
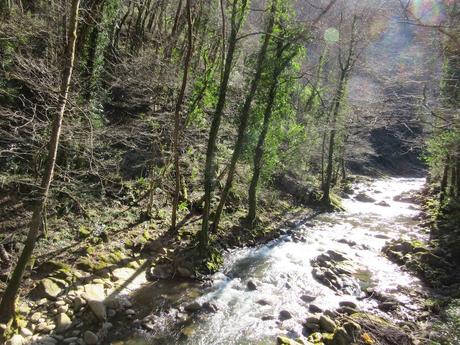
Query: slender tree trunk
[[259, 153], [116, 38], [268, 112], [330, 158], [7, 304], [180, 101], [209, 172], [244, 115]]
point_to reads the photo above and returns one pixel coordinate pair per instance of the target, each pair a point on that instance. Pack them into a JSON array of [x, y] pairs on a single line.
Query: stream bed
[[265, 291]]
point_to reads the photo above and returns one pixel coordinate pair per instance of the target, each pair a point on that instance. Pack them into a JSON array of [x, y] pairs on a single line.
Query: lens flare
[[331, 35], [430, 12]]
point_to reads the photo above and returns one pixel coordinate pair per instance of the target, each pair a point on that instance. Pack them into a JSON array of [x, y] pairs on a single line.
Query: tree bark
[[177, 116], [7, 305]]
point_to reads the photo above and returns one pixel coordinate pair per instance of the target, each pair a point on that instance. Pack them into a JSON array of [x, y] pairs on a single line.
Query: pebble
[[35, 317], [90, 338], [25, 332], [130, 312]]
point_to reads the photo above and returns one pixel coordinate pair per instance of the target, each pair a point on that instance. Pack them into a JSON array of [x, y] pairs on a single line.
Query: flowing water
[[282, 272]]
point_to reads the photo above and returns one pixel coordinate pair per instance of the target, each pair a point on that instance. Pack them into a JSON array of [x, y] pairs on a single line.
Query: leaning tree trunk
[[209, 170], [180, 101], [7, 305], [244, 116], [268, 112]]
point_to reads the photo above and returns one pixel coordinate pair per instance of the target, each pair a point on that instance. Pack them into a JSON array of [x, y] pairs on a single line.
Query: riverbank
[[435, 261], [79, 284], [312, 268], [331, 266]]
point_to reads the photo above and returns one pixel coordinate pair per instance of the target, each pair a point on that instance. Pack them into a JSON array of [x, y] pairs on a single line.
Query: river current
[[280, 274]]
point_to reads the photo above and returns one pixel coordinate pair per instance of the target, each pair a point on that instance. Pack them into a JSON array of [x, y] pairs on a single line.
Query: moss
[[336, 202], [360, 316], [90, 250], [116, 256], [418, 244], [214, 261], [83, 231]]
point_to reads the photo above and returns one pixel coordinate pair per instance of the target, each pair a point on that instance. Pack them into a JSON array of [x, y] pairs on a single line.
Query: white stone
[[16, 340], [123, 273], [63, 323], [25, 332]]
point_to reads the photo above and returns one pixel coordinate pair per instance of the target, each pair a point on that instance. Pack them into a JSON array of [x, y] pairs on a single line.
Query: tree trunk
[[330, 157], [209, 171], [268, 112], [7, 305], [258, 155], [244, 115], [180, 101]]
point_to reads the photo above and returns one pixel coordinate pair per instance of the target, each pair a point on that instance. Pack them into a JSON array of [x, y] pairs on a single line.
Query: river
[[280, 277]]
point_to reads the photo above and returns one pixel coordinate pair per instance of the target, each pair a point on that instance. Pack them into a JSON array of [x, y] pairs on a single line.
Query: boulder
[[251, 286], [363, 197], [25, 332], [313, 308], [98, 308], [382, 203], [284, 315], [352, 328], [388, 306], [15, 340], [210, 307], [341, 337], [327, 324], [123, 273], [282, 340], [94, 292], [307, 298], [193, 307], [49, 289], [349, 304], [63, 323]]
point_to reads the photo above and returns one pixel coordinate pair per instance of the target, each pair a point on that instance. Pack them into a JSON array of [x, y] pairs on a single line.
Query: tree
[[285, 52], [346, 62], [245, 112], [7, 304], [237, 18], [177, 117]]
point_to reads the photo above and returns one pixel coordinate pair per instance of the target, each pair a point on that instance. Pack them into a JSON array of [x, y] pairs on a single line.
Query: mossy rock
[[282, 340], [53, 266], [361, 316]]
